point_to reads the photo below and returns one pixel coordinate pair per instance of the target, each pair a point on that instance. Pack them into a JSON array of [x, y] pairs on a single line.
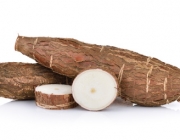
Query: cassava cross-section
[[94, 89], [144, 80], [18, 80], [54, 96]]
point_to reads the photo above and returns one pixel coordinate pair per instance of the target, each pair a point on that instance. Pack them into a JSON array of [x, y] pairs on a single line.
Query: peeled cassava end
[[54, 96], [94, 89]]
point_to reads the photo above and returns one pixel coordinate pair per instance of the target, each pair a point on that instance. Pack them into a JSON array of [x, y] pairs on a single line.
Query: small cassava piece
[[143, 80], [18, 80], [54, 96], [94, 89]]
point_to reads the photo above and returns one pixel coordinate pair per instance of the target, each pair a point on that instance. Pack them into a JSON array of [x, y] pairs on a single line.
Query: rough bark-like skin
[[18, 80], [55, 101], [144, 80]]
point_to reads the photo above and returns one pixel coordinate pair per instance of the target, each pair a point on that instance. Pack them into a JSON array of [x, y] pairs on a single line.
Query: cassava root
[[54, 96], [144, 80], [18, 80]]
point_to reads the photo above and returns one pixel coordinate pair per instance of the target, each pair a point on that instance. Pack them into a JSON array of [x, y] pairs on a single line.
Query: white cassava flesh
[[94, 89], [54, 96]]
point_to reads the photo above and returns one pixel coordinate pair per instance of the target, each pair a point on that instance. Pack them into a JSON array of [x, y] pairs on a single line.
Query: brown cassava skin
[[144, 80], [18, 80], [55, 102]]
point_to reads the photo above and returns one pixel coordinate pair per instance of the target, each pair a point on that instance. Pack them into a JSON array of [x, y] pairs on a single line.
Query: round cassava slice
[[54, 96], [94, 89]]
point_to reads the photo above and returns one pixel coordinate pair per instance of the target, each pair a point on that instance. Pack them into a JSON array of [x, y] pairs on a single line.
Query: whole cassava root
[[144, 80], [18, 80]]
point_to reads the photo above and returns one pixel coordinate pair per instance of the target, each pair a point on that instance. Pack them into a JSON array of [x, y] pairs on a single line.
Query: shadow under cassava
[[119, 108]]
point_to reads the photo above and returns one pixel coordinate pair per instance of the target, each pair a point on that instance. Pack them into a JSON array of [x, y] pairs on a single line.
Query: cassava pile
[[18, 80], [144, 80]]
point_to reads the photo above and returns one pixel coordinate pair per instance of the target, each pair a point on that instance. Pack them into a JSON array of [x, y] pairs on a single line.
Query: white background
[[150, 27]]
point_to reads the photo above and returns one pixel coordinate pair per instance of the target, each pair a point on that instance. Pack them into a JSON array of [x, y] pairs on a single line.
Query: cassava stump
[[144, 80], [18, 80], [54, 96]]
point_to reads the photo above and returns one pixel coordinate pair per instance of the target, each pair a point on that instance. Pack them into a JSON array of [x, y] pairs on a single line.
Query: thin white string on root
[[51, 60], [178, 98], [165, 96], [121, 73], [148, 60], [147, 79], [147, 84], [102, 49], [165, 84], [165, 88], [35, 42]]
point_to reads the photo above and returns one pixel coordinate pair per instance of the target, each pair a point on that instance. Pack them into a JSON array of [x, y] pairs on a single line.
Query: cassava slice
[[94, 89], [18, 80], [144, 80], [54, 96]]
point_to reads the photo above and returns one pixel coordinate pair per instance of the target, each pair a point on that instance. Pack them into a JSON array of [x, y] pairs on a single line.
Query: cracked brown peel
[[144, 80], [18, 80], [54, 96]]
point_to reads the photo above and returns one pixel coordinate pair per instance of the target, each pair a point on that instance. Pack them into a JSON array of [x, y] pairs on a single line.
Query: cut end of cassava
[[94, 89], [54, 96]]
